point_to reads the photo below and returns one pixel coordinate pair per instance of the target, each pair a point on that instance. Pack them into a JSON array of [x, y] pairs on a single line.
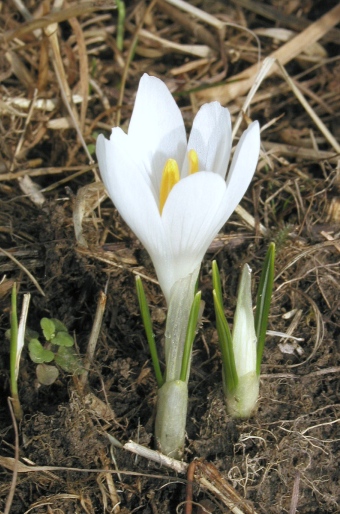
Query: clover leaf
[[68, 360], [59, 326], [47, 375], [63, 339], [38, 353], [48, 328]]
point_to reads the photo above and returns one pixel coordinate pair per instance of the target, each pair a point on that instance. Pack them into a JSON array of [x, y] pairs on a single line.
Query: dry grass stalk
[[293, 22], [51, 18], [206, 475], [93, 339], [24, 269], [51, 33], [242, 82]]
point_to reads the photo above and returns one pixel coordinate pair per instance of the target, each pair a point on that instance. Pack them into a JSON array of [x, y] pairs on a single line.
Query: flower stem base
[[241, 402], [171, 418]]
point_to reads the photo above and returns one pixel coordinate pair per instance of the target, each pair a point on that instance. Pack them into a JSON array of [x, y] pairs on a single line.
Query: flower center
[[193, 162], [170, 176]]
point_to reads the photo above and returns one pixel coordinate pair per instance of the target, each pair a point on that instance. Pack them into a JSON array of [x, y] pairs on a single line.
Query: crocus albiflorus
[[177, 233], [174, 195]]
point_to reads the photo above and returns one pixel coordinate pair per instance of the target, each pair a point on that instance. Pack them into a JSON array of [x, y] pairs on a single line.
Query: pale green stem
[[172, 401], [182, 296]]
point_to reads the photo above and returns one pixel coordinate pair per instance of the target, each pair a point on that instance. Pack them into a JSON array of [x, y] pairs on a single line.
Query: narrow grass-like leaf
[[226, 345], [14, 341], [264, 295], [224, 334], [120, 24], [217, 282], [145, 312], [190, 335], [14, 361]]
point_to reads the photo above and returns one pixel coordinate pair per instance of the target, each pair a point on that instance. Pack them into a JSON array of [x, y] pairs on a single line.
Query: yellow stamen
[[193, 162], [170, 177]]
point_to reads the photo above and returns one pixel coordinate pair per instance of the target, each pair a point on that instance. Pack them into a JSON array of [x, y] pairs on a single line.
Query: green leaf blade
[[217, 286], [263, 303], [145, 313], [190, 335], [14, 340], [226, 346]]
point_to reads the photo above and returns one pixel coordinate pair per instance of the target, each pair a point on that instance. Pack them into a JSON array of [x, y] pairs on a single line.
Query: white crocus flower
[[174, 194]]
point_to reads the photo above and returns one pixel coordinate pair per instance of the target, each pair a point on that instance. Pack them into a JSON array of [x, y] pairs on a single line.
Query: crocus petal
[[130, 190], [210, 137], [244, 336], [122, 149], [192, 216], [156, 128], [244, 164]]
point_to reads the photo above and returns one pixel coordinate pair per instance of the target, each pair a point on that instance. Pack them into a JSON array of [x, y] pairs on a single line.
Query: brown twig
[[91, 347], [21, 266], [189, 488], [16, 461], [55, 17]]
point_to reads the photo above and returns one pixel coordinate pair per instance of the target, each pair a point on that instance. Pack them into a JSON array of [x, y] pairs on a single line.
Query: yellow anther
[[193, 162], [170, 177]]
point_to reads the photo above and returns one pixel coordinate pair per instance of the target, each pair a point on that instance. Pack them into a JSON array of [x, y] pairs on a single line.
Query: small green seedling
[[242, 350], [57, 347]]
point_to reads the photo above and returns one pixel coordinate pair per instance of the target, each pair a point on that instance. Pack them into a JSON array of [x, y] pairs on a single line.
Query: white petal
[[244, 337], [243, 165], [130, 191], [193, 214], [101, 155], [156, 127], [210, 137]]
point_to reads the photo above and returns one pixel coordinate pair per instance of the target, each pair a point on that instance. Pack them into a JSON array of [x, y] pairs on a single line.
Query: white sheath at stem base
[[241, 400], [171, 418], [241, 403]]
